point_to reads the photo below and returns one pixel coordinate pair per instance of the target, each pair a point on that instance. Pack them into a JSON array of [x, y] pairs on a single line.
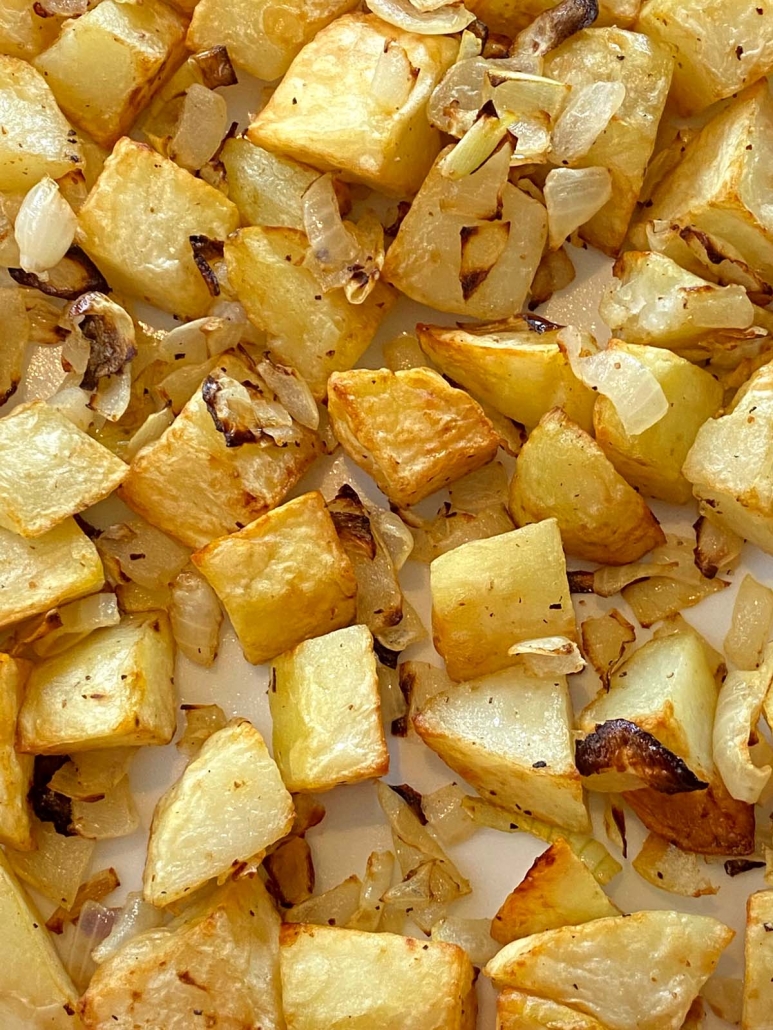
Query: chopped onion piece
[[96, 888], [332, 908], [549, 656], [419, 681], [332, 245], [750, 625], [659, 597], [76, 621], [292, 391], [393, 705], [201, 721], [738, 711], [393, 78], [74, 404], [479, 490], [290, 869], [470, 45], [724, 995], [614, 821], [611, 579], [89, 775], [136, 916], [588, 112], [64, 8], [409, 630], [113, 395], [394, 534], [446, 816], [472, 935], [404, 352], [134, 598], [196, 617], [716, 547], [450, 529], [375, 884], [477, 145], [451, 17], [178, 387], [186, 344], [669, 868], [604, 640], [459, 96], [144, 554], [57, 867], [115, 815], [45, 227], [152, 429], [93, 926], [572, 197], [201, 126]]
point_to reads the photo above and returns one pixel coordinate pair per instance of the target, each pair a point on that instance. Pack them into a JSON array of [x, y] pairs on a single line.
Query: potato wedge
[[758, 955], [114, 689], [518, 1011], [15, 768], [490, 594], [562, 473], [228, 805], [136, 183], [510, 736], [267, 188]]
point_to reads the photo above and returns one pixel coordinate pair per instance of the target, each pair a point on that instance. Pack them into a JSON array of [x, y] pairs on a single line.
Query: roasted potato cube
[[104, 66], [518, 1011], [216, 964], [490, 594], [316, 333], [114, 689], [644, 67], [35, 138], [228, 805], [24, 32], [138, 187], [15, 769], [39, 574], [521, 371], [562, 473], [325, 111], [471, 245], [289, 560], [758, 955], [336, 977], [267, 188], [510, 16], [234, 485], [646, 971], [411, 431], [653, 460], [326, 712], [262, 36]]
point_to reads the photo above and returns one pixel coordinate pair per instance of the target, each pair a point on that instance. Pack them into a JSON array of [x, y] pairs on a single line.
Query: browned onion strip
[[75, 275]]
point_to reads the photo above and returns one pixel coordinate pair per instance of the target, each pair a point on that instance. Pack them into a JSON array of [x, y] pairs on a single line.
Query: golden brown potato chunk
[[15, 768]]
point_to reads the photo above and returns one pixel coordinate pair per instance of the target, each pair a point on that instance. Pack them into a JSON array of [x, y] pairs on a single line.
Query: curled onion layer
[[738, 711], [445, 19], [588, 112], [572, 197], [45, 227]]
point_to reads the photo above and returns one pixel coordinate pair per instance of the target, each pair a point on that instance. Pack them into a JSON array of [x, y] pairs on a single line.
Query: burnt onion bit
[[213, 395], [352, 522], [412, 798], [75, 275], [110, 333], [623, 746], [215, 67], [552, 27], [48, 805], [206, 251]]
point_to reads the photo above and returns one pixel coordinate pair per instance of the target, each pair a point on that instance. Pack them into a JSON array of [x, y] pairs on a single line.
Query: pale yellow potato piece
[[314, 332], [492, 730], [326, 113], [721, 46], [652, 461], [262, 36], [326, 712], [104, 66], [23, 32], [267, 188], [558, 890], [510, 16], [282, 579], [218, 962], [139, 188], [15, 768], [490, 594], [16, 334], [518, 1011], [35, 137], [335, 977], [646, 968], [644, 67], [234, 485], [39, 574], [410, 430], [520, 372], [50, 469], [758, 955], [229, 804], [114, 689], [562, 473]]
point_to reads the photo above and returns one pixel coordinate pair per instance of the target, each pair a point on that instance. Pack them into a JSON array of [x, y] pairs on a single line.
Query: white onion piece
[[74, 403], [202, 124], [472, 935], [738, 711], [451, 17], [588, 112], [395, 535], [393, 78], [331, 243], [65, 8], [750, 625], [459, 96], [470, 45], [196, 617], [572, 197], [151, 429], [549, 656], [292, 391], [79, 619], [93, 926], [476, 146], [185, 344], [446, 816], [670, 869], [76, 351], [634, 391], [45, 227], [135, 918], [113, 394]]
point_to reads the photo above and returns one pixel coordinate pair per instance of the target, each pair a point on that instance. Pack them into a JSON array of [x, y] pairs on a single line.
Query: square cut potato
[[334, 977], [493, 730], [35, 137], [490, 594], [104, 66], [758, 955], [282, 579], [326, 113], [314, 332], [410, 430], [234, 485], [262, 36], [15, 768], [24, 32], [39, 574], [229, 805], [139, 188], [50, 469], [326, 712], [114, 689]]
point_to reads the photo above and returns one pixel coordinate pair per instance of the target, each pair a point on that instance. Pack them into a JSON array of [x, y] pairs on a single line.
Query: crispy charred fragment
[[482, 247], [48, 805], [552, 27], [496, 46], [705, 246], [580, 581], [352, 522], [206, 250], [215, 67], [736, 866], [226, 422], [618, 816], [75, 275], [412, 798], [110, 333], [386, 656], [625, 747]]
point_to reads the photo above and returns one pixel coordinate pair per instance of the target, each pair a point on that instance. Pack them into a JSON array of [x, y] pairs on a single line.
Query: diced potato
[[653, 460], [262, 36], [558, 890], [288, 561], [728, 464], [644, 67], [217, 964], [138, 188], [16, 334], [113, 689], [758, 955], [35, 138], [518, 1011], [562, 473], [721, 46], [510, 736], [411, 431], [24, 32], [645, 972], [39, 574], [510, 16], [470, 245], [490, 594], [326, 712], [15, 769], [336, 977], [314, 332], [228, 805], [326, 112], [105, 66], [267, 188], [234, 485]]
